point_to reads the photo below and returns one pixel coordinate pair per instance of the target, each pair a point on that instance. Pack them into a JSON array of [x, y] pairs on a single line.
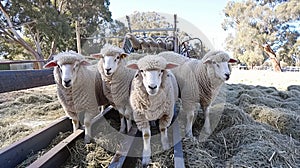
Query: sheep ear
[[98, 55], [84, 63], [171, 65], [123, 55], [207, 62], [132, 66], [231, 60], [50, 64]]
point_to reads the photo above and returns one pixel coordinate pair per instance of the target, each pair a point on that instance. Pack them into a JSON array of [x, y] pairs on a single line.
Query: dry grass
[[259, 125], [23, 112]]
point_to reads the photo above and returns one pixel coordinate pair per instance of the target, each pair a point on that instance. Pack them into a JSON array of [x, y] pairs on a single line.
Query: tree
[[270, 22], [49, 25]]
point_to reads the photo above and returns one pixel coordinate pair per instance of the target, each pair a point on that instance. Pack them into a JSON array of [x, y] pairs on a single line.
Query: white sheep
[[153, 44], [117, 81], [161, 44], [79, 88], [170, 43], [144, 44], [153, 96], [134, 41], [199, 82]]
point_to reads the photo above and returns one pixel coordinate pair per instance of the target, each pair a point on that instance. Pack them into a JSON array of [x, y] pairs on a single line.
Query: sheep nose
[[67, 82], [152, 87], [108, 69], [227, 76]]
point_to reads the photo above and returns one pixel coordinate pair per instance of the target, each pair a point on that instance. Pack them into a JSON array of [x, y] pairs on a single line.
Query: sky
[[206, 15]]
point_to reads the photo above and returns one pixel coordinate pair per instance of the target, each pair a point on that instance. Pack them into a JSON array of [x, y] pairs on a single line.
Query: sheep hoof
[[146, 161], [87, 140], [166, 146], [189, 134], [123, 130]]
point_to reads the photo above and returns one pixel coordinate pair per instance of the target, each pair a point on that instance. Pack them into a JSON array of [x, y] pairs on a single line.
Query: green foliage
[[45, 22], [275, 22]]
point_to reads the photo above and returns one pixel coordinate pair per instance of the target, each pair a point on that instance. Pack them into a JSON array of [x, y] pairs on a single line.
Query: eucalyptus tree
[[264, 22]]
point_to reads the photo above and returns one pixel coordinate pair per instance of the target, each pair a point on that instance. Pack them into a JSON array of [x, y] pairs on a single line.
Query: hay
[[34, 156], [27, 111], [88, 155], [259, 127]]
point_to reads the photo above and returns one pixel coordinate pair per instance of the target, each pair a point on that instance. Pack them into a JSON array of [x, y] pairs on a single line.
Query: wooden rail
[[17, 152], [25, 79]]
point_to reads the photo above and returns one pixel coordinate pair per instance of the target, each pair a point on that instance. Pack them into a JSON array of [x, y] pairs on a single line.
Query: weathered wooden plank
[[17, 152], [178, 153], [25, 79], [58, 154], [21, 61]]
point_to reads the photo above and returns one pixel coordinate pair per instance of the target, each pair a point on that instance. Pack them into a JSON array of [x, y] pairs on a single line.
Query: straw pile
[[258, 126]]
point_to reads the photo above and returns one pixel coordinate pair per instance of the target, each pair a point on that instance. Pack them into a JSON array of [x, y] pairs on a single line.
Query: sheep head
[[66, 65], [111, 56], [152, 68], [218, 61]]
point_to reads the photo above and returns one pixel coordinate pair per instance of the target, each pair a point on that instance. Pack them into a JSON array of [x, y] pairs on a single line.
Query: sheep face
[[152, 69], [66, 70], [110, 62], [221, 69], [152, 80]]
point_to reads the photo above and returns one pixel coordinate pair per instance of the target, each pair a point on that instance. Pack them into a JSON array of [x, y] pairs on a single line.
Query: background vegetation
[[37, 29]]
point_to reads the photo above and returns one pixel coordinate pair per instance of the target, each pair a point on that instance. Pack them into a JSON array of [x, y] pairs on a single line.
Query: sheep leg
[[206, 126], [75, 120], [164, 122], [128, 120], [87, 128], [123, 124], [147, 148], [129, 124], [190, 119]]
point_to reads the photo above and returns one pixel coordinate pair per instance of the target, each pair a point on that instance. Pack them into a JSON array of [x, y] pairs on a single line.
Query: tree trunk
[[17, 38], [77, 27], [272, 56]]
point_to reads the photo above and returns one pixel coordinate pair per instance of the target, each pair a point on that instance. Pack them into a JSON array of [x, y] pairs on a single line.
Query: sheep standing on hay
[[199, 82], [117, 81], [79, 88], [153, 94], [134, 41]]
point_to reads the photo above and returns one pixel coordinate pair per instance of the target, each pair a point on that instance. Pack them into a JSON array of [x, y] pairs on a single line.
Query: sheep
[[153, 44], [154, 92], [199, 82], [161, 44], [117, 80], [134, 41], [144, 44], [170, 43], [79, 88]]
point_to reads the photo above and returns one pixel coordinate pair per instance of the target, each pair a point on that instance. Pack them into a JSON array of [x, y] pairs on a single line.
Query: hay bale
[[283, 120]]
